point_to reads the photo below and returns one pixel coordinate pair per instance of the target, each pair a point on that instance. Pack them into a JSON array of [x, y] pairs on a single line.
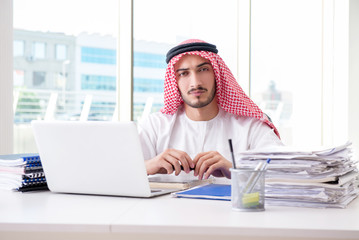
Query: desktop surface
[[40, 215]]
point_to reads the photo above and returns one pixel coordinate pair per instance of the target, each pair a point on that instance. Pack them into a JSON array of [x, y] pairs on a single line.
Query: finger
[[162, 171], [198, 156], [211, 169], [167, 166], [199, 159], [205, 166], [175, 164], [185, 160]]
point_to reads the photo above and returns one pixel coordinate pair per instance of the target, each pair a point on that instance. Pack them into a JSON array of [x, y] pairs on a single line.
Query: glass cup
[[248, 188]]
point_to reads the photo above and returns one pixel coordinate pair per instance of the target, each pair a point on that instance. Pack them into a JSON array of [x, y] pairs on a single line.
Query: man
[[203, 107]]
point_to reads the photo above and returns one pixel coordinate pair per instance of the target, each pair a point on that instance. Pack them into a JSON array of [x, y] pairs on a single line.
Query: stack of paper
[[320, 178], [180, 182], [22, 172]]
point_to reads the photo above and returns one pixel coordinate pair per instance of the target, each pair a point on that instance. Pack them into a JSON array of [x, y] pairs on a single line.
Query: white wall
[[353, 86], [6, 77]]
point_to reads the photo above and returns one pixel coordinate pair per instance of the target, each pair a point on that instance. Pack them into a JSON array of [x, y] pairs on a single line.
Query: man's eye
[[181, 74], [203, 69]]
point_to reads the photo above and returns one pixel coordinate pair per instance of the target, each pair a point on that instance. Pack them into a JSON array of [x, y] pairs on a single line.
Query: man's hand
[[208, 163], [169, 161]]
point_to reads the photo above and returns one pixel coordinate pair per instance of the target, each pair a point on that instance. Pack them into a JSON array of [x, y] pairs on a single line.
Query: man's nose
[[195, 80]]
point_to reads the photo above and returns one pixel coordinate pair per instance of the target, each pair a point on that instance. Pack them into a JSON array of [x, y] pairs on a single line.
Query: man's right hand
[[169, 161]]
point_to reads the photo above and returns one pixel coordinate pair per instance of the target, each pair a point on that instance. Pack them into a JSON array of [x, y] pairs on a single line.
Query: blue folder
[[211, 191]]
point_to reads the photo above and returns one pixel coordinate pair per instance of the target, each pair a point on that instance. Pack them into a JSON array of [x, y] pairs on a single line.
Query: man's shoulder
[[231, 119], [239, 118], [157, 119], [160, 115]]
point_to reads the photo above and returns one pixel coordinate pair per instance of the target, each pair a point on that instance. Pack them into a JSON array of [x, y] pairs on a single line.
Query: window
[[149, 60], [19, 76], [157, 30], [38, 79], [96, 82], [78, 79], [98, 55], [39, 50], [18, 48], [61, 52], [286, 66]]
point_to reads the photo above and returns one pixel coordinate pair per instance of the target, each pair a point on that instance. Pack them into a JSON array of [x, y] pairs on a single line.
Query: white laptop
[[103, 158]]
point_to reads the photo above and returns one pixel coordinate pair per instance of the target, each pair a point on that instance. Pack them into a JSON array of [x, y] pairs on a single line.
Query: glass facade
[[98, 55], [97, 82], [148, 85], [149, 60]]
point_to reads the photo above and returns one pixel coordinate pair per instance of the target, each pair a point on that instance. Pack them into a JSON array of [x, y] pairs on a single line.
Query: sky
[[68, 16], [162, 21], [156, 20]]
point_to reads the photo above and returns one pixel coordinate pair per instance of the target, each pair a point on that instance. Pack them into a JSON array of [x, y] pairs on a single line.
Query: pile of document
[[180, 182], [22, 172], [322, 178]]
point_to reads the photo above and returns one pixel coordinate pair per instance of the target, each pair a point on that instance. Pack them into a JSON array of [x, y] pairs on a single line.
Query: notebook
[[102, 158]]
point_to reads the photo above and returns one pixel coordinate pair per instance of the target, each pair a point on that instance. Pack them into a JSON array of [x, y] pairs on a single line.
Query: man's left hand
[[208, 163]]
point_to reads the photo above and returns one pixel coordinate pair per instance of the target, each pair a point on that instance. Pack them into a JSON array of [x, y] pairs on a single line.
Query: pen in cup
[[231, 148], [256, 175]]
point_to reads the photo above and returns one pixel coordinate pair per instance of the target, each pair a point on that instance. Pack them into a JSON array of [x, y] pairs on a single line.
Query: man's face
[[196, 80]]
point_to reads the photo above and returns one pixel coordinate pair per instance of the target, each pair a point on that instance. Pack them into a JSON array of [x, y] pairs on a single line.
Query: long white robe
[[159, 132]]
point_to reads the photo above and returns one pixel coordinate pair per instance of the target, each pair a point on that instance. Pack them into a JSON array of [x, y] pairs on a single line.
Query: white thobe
[[159, 132]]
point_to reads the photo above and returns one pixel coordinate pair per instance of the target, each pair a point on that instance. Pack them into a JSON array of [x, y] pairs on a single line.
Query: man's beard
[[200, 104]]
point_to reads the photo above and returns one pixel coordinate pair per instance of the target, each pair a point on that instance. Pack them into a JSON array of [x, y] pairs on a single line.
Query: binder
[[19, 159], [22, 172], [33, 187]]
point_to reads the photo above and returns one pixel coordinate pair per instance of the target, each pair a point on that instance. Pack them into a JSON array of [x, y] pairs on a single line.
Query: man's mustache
[[197, 89]]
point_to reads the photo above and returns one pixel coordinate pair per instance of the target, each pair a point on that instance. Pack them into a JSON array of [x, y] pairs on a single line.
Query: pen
[[231, 147], [191, 169], [261, 167], [253, 176]]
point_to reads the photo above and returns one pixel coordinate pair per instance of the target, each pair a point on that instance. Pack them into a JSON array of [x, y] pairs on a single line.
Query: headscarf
[[230, 96]]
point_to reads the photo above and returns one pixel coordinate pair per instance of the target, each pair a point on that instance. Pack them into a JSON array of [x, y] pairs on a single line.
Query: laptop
[[102, 158]]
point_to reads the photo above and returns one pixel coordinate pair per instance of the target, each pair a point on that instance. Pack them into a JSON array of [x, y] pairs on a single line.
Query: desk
[[46, 215]]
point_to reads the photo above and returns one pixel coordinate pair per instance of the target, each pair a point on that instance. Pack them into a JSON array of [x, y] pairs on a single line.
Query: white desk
[[45, 215]]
